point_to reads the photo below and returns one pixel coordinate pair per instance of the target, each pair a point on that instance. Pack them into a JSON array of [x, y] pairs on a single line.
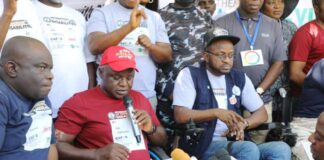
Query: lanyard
[[251, 40]]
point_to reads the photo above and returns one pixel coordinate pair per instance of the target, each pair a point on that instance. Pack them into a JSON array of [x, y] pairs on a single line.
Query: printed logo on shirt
[[130, 41], [266, 35], [219, 92], [117, 115], [39, 133], [121, 23], [39, 107], [19, 24], [62, 33], [122, 132], [58, 20]]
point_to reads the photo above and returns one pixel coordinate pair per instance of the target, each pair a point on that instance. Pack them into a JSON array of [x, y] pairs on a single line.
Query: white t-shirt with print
[[24, 22], [65, 30], [111, 17], [184, 94]]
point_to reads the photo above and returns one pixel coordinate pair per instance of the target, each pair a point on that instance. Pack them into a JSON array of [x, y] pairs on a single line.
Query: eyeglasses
[[221, 57]]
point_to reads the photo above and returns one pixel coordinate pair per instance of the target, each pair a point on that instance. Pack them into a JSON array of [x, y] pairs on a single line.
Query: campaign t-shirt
[[92, 114], [26, 130], [110, 18], [24, 22], [64, 30]]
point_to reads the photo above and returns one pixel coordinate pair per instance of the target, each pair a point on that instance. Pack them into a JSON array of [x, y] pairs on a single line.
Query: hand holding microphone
[[140, 119]]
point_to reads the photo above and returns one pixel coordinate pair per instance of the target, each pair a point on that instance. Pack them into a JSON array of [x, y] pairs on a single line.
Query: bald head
[[26, 66], [19, 47]]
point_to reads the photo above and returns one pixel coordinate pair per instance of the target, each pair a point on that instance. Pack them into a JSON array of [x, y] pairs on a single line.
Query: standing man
[[185, 24], [26, 130], [307, 47], [19, 18], [141, 30], [260, 53], [62, 29], [94, 124], [317, 139], [213, 95], [208, 5]]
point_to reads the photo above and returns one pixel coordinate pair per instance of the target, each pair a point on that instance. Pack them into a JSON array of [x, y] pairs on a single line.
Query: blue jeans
[[274, 150], [246, 150]]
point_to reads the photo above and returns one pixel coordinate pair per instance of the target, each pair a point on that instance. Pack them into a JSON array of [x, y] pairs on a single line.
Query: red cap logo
[[118, 58]]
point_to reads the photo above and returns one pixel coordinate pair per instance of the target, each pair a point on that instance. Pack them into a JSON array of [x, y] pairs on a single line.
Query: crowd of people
[[112, 87]]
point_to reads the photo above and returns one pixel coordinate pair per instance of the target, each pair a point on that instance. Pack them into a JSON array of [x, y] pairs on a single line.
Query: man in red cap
[[94, 124]]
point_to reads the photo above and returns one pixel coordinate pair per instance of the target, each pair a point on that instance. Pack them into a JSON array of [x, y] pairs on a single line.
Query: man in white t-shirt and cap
[[213, 94]]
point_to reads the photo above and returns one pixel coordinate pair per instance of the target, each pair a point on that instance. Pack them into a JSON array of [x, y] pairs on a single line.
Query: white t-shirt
[[114, 16], [65, 30], [184, 94], [24, 22]]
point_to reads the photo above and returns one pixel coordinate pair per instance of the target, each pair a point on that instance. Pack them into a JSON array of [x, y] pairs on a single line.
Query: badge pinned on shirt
[[233, 100], [236, 90], [251, 57]]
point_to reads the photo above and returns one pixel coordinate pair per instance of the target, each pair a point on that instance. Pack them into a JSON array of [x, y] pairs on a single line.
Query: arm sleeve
[[3, 120], [184, 93], [250, 99], [317, 73], [300, 46], [53, 140], [162, 35], [71, 116], [279, 52], [87, 54], [97, 22]]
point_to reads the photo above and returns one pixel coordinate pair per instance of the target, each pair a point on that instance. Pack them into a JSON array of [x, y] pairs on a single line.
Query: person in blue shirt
[[310, 106], [26, 130], [311, 102]]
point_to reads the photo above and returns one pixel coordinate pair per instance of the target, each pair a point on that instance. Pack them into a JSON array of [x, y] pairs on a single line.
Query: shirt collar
[[243, 16]]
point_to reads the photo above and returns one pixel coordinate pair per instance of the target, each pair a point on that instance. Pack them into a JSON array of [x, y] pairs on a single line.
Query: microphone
[[128, 102], [178, 154], [222, 154], [282, 92]]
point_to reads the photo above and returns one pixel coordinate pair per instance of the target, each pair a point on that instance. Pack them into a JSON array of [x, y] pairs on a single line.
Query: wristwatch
[[153, 130], [247, 124], [259, 90]]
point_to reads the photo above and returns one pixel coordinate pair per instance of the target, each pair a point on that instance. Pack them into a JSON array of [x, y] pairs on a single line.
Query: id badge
[[39, 133], [252, 57], [122, 132]]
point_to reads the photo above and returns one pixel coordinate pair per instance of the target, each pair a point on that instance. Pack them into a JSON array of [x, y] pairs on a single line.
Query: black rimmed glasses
[[221, 57]]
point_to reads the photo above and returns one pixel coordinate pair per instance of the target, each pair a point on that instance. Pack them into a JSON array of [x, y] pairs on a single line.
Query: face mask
[[56, 1], [184, 2]]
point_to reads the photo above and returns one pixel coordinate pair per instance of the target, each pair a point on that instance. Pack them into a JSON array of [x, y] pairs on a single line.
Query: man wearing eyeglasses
[[212, 95]]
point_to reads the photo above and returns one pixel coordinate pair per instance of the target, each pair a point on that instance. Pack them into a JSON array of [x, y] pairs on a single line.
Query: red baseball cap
[[118, 58]]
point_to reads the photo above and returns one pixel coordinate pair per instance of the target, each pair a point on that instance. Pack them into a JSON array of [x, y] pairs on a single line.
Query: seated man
[[212, 95], [26, 131], [317, 139], [93, 124], [309, 107]]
